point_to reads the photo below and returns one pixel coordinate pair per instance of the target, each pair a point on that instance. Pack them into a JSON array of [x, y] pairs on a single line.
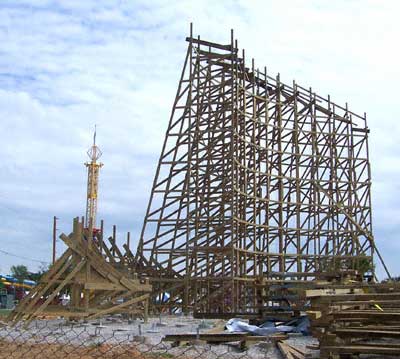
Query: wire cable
[[22, 257]]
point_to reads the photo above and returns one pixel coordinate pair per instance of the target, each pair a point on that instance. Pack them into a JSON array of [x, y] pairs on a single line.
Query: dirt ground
[[115, 337], [57, 351]]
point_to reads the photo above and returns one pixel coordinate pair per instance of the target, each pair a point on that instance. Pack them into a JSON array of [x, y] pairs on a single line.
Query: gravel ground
[[145, 337]]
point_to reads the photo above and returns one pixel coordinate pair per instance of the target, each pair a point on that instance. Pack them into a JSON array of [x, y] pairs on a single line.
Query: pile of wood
[[289, 351], [354, 321], [95, 286], [244, 339]]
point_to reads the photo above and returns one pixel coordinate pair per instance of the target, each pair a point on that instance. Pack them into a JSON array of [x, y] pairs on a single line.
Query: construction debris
[[244, 339], [350, 322], [269, 327], [290, 351]]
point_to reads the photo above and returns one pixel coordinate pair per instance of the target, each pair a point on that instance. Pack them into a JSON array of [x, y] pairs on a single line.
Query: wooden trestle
[[96, 285], [259, 183]]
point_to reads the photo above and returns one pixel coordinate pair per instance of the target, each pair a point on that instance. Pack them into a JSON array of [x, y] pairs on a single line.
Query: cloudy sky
[[67, 65]]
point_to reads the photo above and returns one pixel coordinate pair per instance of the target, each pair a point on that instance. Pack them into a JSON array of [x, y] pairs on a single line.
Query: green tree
[[20, 272], [36, 276]]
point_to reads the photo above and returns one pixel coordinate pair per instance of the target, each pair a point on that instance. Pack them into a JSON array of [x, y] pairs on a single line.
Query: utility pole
[[54, 237]]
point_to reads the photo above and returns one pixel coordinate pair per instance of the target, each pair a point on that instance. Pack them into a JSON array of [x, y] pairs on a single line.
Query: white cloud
[[66, 65]]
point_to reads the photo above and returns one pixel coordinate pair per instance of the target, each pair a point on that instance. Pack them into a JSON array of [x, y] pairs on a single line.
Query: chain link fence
[[51, 339]]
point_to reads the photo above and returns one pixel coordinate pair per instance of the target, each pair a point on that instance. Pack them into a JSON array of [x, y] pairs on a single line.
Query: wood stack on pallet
[[244, 339], [95, 286], [356, 321]]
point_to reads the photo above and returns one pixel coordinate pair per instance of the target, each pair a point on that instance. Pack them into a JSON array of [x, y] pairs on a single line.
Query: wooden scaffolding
[[96, 286], [259, 183]]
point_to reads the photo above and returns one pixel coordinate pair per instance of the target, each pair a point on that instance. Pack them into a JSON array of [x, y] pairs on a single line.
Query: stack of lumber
[[356, 321], [244, 339], [289, 351]]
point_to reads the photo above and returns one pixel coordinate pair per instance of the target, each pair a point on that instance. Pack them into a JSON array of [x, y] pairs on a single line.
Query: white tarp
[[237, 325]]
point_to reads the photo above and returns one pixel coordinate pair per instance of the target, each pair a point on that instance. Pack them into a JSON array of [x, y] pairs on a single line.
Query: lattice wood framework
[[98, 285], [258, 181]]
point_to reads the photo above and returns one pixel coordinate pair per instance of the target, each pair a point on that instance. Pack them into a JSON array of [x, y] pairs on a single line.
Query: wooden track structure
[[96, 285], [258, 182]]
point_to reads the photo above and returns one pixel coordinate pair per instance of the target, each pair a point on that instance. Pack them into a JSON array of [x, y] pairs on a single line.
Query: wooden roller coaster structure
[[262, 189], [259, 184]]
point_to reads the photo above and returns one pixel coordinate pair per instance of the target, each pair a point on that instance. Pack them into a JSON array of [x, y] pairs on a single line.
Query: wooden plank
[[65, 262], [107, 271], [214, 337], [115, 248], [135, 285], [296, 350], [120, 306], [314, 314], [387, 345], [366, 314], [104, 286], [366, 333], [284, 316], [362, 349], [208, 43], [214, 55], [330, 292], [355, 297], [59, 288], [285, 351], [380, 302], [383, 326]]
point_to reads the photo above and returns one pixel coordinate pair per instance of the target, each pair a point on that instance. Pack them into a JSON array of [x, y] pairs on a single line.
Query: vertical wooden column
[[88, 269], [282, 240], [296, 149], [101, 238], [187, 180], [54, 238], [75, 288]]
